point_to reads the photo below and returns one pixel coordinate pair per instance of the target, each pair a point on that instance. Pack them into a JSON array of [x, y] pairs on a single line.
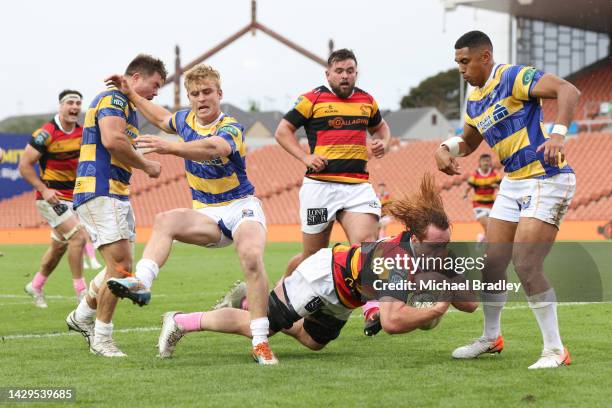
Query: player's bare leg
[[68, 236], [182, 224], [48, 263], [118, 259], [498, 257], [534, 239], [484, 222], [250, 240], [77, 238], [362, 227]]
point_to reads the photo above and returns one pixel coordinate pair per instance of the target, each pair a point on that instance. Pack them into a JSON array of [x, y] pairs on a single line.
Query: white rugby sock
[[544, 306], [103, 329], [84, 312], [492, 305], [259, 330], [146, 271]]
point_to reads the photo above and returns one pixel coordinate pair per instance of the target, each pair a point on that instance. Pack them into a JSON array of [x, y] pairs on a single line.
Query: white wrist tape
[[559, 129], [453, 145]]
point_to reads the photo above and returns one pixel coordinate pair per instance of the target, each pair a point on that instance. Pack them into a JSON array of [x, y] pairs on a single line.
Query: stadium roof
[[591, 15]]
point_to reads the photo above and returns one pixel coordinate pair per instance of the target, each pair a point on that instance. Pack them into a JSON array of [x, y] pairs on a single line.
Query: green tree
[[254, 106], [440, 90]]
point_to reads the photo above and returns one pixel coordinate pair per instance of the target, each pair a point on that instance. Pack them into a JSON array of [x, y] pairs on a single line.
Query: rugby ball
[[423, 300]]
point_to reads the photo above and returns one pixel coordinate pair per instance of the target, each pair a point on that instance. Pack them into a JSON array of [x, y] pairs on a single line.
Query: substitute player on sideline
[[55, 146], [484, 181], [505, 110], [336, 119], [314, 303], [101, 194], [224, 208]]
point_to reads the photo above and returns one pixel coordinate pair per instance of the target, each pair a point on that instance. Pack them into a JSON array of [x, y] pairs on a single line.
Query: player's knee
[[524, 267], [78, 239], [314, 346], [167, 221], [251, 259]]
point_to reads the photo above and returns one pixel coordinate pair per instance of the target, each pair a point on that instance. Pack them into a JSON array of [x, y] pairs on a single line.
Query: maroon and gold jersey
[[336, 129], [484, 186], [60, 157]]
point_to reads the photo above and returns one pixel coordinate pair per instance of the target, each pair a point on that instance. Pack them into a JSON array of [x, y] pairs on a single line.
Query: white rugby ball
[[423, 300]]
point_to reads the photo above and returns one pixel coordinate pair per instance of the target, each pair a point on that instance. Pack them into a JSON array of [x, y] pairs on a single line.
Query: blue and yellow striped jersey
[[98, 173], [510, 121], [221, 180]]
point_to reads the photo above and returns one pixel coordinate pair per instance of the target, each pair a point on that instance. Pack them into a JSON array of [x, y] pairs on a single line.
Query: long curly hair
[[420, 209]]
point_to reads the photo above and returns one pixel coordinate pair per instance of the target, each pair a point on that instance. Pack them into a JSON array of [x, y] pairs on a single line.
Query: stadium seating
[[277, 178], [595, 84]]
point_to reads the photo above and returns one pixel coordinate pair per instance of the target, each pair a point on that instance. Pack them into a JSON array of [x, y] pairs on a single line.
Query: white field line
[[57, 297], [157, 328]]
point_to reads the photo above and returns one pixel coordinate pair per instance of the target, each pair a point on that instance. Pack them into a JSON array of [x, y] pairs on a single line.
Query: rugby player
[[101, 195], [224, 208], [504, 109], [484, 181], [55, 147], [337, 119], [314, 302]]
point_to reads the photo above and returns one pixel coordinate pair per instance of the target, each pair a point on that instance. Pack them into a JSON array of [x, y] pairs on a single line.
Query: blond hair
[[202, 72]]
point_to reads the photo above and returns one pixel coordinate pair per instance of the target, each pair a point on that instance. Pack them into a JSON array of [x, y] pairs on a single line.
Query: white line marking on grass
[[60, 297], [156, 328], [71, 333]]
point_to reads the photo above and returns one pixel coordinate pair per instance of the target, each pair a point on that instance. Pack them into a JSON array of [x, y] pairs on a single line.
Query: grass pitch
[[413, 370]]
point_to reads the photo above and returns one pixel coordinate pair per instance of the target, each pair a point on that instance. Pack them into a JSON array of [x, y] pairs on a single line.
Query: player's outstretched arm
[[116, 142], [397, 317], [285, 136], [156, 114], [382, 136], [196, 150]]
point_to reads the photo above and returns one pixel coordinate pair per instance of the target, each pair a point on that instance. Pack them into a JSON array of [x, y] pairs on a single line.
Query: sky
[[48, 46]]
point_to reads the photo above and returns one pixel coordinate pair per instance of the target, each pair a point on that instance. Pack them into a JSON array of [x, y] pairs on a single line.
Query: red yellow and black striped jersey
[[484, 187], [59, 157], [510, 121], [354, 276], [99, 173], [221, 180], [336, 129]]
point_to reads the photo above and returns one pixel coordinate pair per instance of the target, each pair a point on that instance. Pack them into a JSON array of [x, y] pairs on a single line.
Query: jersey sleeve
[[301, 112], [375, 116], [471, 180], [232, 135], [523, 80], [115, 104], [172, 124], [40, 140]]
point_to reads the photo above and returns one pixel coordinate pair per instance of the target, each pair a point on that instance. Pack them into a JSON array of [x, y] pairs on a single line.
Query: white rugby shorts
[[320, 201], [545, 199]]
